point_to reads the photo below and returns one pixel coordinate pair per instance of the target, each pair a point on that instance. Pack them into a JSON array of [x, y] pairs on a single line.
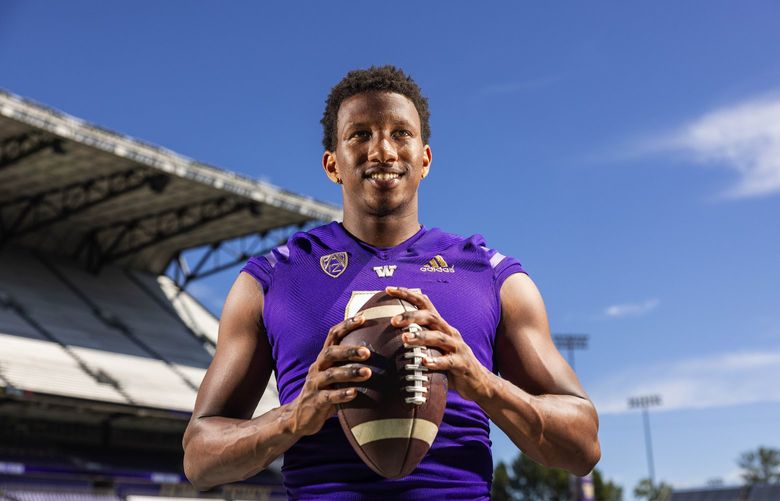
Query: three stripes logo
[[438, 264]]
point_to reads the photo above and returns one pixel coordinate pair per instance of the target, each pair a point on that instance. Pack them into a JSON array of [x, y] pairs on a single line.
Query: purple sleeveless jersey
[[322, 276]]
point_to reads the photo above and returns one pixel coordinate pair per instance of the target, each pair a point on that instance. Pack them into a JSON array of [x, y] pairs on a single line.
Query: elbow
[[193, 469], [589, 460], [193, 473], [588, 449], [591, 449]]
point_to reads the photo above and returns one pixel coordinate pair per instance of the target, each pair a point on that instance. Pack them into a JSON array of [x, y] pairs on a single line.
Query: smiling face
[[380, 158]]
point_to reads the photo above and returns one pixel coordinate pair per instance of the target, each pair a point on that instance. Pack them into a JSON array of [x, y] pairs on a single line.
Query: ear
[[329, 164], [427, 159]]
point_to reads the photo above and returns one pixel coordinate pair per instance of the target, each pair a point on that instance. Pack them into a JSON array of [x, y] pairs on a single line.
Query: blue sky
[[628, 155]]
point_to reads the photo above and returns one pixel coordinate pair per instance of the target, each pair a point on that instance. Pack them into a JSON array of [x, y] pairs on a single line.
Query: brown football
[[393, 421]]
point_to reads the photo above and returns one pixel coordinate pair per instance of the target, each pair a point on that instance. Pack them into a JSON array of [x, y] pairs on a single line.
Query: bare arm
[[537, 401], [222, 443]]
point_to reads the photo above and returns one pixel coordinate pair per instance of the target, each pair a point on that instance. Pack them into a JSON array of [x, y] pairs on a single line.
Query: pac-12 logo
[[438, 264], [334, 264]]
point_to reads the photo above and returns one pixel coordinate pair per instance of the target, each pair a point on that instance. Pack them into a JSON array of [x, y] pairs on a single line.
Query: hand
[[318, 399], [465, 373]]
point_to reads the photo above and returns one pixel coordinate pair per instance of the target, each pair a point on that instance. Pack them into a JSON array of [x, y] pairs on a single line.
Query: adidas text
[[440, 269]]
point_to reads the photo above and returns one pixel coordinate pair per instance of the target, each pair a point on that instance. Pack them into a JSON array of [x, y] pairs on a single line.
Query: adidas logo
[[438, 264]]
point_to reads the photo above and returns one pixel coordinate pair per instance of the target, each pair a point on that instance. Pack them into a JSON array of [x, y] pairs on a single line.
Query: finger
[[336, 354], [435, 339], [339, 396], [419, 317], [421, 301], [341, 329], [344, 374], [441, 363]]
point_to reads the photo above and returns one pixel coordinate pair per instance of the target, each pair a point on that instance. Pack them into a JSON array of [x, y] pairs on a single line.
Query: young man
[[286, 313]]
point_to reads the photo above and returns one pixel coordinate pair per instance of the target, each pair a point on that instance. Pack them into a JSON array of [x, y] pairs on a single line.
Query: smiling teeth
[[384, 176]]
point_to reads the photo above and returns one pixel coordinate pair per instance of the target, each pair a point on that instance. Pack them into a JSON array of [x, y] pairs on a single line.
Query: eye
[[403, 133], [361, 134]]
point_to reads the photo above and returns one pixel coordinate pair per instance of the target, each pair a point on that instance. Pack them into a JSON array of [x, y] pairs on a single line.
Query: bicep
[[242, 364], [525, 352]]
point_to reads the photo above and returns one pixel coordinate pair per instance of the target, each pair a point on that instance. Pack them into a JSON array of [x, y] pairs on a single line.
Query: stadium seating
[[75, 334], [37, 494], [45, 367]]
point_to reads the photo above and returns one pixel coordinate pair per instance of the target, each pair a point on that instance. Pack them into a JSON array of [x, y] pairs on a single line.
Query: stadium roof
[[71, 188]]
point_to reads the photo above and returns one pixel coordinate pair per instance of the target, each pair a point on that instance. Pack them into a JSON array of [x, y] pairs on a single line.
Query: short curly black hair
[[377, 79]]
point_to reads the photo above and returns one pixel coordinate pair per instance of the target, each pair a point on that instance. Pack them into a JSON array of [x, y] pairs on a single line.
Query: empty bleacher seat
[[156, 363], [45, 367]]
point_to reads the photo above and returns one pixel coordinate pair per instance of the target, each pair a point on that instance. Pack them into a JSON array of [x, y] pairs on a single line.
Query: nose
[[382, 150]]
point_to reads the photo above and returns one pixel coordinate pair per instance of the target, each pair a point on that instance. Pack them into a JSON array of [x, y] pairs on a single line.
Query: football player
[[287, 311]]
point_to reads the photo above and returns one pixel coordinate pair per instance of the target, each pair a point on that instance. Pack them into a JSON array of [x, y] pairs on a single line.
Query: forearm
[[555, 430], [219, 450]]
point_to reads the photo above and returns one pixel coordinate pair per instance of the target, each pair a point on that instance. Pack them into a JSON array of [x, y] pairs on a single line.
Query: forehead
[[372, 107]]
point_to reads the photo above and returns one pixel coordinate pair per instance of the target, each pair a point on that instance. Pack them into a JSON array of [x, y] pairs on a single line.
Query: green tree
[[501, 489], [657, 492], [527, 480], [606, 490], [531, 481], [761, 466]]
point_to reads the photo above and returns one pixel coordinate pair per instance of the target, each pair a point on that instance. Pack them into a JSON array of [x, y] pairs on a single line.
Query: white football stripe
[[380, 429], [358, 299], [387, 310]]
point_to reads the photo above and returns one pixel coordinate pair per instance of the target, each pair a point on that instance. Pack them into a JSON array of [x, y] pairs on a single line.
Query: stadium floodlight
[[571, 342], [644, 402]]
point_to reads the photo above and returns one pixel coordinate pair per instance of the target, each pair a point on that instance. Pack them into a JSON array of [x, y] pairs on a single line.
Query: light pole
[[571, 342], [582, 489], [644, 402]]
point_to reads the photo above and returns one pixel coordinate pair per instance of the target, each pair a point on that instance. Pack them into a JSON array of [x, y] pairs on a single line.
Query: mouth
[[384, 179]]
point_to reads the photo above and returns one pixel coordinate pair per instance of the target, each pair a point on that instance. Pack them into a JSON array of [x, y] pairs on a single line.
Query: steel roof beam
[[17, 148], [223, 255], [40, 210], [111, 243]]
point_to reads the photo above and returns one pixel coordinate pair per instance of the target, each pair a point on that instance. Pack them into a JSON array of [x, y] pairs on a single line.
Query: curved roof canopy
[[71, 188]]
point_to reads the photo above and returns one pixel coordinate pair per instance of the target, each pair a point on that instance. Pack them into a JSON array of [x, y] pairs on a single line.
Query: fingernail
[[363, 352]]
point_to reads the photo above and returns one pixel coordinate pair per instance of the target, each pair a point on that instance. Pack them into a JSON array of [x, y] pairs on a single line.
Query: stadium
[[102, 347]]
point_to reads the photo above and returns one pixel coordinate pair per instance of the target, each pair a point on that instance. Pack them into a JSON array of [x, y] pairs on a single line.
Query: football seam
[[414, 420]]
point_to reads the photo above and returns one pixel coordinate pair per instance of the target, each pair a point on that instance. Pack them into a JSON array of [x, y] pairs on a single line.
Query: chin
[[385, 208]]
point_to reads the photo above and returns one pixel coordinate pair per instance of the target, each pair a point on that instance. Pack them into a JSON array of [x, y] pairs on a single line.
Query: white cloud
[[744, 138], [713, 381], [631, 309]]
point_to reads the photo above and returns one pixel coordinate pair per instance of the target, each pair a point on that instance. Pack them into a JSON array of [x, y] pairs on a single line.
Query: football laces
[[416, 371]]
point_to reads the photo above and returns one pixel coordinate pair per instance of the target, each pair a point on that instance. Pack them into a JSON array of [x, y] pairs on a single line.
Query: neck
[[381, 231]]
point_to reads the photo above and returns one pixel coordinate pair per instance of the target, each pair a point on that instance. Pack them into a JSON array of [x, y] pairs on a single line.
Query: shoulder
[[263, 267], [475, 248]]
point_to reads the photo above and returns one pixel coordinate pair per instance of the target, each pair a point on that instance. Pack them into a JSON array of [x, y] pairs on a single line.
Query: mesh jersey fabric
[[307, 285]]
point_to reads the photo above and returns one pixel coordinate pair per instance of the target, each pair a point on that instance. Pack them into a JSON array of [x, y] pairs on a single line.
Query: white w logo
[[385, 271]]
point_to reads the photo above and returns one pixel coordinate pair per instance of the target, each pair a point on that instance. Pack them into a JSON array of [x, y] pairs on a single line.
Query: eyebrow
[[396, 122]]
